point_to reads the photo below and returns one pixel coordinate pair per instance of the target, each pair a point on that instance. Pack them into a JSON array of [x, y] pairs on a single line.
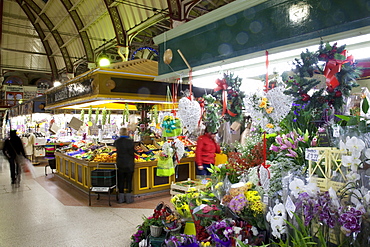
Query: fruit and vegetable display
[[107, 154]]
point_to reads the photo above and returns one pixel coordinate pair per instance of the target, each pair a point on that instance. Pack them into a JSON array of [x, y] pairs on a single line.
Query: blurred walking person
[[13, 146]]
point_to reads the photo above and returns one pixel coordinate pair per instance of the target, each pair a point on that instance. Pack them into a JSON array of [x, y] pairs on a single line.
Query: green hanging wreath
[[340, 74]]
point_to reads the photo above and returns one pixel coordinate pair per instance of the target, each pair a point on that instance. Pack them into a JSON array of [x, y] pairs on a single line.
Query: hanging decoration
[[171, 126], [82, 116], [339, 70], [211, 117], [189, 112], [104, 116], [97, 111], [231, 97], [109, 115], [155, 114], [268, 109], [90, 114], [125, 114]]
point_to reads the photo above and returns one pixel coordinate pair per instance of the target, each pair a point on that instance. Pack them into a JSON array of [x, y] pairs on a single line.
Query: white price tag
[[312, 154], [336, 131], [289, 206]]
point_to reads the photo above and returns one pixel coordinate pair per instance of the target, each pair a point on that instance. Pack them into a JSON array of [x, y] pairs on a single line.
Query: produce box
[[184, 186], [103, 177], [152, 145]]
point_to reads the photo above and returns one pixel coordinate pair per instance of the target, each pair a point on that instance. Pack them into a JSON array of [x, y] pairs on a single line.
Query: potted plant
[[155, 225]]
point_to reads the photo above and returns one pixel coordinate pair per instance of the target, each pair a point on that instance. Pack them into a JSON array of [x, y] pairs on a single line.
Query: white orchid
[[352, 161], [355, 146], [254, 231], [334, 197], [367, 153], [279, 209], [312, 189], [367, 197], [297, 187], [278, 226], [277, 217], [353, 176]]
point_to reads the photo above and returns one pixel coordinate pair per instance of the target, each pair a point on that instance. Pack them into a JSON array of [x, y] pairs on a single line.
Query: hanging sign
[[70, 91]]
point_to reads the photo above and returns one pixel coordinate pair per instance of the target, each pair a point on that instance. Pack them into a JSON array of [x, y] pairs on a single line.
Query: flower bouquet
[[171, 222], [221, 232], [181, 240], [247, 204], [181, 204]]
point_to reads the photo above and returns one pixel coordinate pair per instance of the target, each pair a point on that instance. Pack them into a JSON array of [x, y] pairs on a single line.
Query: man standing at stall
[[125, 165]]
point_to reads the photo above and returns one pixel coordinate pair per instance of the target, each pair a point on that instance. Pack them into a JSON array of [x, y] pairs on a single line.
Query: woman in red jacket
[[205, 153]]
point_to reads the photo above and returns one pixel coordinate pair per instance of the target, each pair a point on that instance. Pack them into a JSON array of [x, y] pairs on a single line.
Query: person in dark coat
[[125, 165], [205, 153], [12, 146]]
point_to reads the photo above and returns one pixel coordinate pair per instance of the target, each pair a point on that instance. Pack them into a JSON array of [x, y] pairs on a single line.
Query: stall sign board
[[14, 89], [70, 91]]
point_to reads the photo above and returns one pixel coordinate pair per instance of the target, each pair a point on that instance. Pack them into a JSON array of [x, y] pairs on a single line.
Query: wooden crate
[[179, 188], [321, 172]]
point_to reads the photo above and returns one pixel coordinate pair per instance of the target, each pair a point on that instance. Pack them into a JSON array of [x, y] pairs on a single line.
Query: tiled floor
[[47, 211]]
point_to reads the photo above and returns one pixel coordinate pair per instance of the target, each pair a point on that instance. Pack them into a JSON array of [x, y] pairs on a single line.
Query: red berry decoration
[[330, 89], [305, 97], [338, 94]]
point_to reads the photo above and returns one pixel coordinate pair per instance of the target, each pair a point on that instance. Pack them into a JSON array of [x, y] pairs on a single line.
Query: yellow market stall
[[128, 82]]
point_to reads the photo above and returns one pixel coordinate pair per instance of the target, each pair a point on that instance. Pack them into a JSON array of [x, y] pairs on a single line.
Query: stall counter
[[145, 181]]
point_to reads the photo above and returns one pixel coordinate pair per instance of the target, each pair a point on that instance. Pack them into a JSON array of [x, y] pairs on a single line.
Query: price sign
[[336, 132], [312, 154]]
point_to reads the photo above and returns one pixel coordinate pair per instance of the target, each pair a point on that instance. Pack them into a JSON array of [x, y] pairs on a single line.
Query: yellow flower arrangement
[[263, 104], [257, 208], [254, 200], [269, 110], [218, 185]]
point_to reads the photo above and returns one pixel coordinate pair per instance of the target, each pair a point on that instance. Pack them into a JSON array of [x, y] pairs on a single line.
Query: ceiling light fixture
[[103, 58]]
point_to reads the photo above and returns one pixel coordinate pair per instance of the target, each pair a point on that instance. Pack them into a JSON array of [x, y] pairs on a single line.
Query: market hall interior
[[44, 210]]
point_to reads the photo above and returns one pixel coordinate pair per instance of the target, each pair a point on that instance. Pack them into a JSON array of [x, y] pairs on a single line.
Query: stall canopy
[[113, 87]]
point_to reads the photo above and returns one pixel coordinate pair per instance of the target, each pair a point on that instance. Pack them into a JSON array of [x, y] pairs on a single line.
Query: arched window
[[43, 83], [14, 80]]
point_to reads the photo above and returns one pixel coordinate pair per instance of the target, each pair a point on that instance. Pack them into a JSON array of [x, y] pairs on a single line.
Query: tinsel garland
[[125, 114], [82, 116], [90, 114], [97, 115], [155, 114], [104, 116], [109, 113]]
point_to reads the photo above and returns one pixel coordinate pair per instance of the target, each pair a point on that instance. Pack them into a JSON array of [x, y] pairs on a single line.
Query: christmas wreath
[[335, 67], [230, 97]]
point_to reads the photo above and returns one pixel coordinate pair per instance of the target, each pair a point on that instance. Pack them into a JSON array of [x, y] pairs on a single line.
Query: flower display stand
[[328, 163], [321, 172]]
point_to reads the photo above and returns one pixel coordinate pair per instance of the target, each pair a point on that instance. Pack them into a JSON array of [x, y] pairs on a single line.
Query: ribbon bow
[[222, 85], [332, 67], [201, 104]]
